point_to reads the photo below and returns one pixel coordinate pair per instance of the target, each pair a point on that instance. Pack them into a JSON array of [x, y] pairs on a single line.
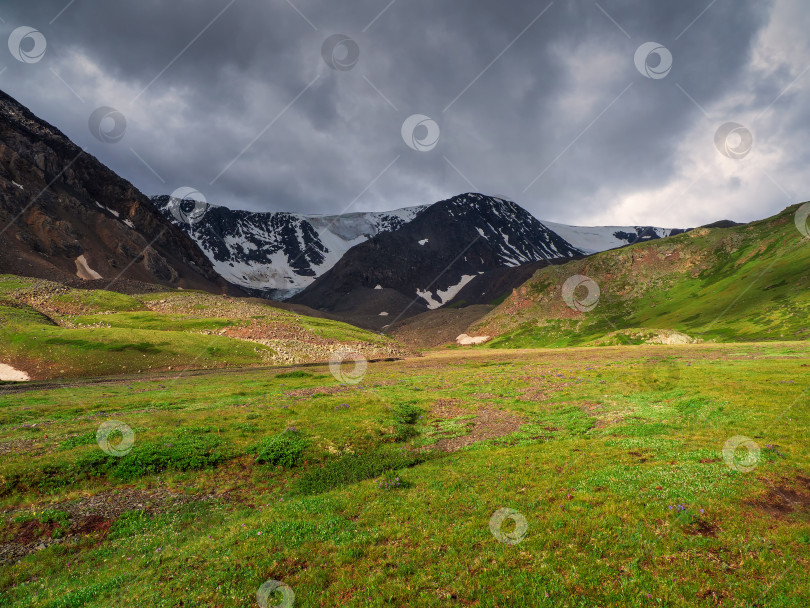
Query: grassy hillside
[[382, 493], [749, 282], [49, 331]]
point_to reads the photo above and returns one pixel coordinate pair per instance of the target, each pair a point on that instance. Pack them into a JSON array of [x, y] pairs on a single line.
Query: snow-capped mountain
[[451, 246], [369, 264], [278, 253], [593, 239]]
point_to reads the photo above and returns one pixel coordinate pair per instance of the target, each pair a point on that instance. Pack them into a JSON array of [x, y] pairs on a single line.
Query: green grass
[[153, 320], [100, 301], [284, 449], [613, 439], [350, 469], [74, 332], [736, 284]]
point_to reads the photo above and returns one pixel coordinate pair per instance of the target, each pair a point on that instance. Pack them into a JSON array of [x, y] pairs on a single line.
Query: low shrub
[[284, 449], [405, 413], [87, 438], [183, 453], [246, 427], [295, 374], [405, 417], [351, 468]]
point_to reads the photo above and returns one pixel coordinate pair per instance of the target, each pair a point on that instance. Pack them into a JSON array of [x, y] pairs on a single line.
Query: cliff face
[[65, 216]]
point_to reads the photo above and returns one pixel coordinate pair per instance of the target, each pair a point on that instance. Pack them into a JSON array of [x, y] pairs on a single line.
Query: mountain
[[278, 254], [427, 262], [737, 282], [65, 216]]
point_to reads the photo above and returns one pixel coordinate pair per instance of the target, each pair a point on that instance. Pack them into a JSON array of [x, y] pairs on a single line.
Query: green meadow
[[381, 493]]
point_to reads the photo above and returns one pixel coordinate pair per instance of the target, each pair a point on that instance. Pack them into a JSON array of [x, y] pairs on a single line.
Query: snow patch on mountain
[[593, 239], [443, 295], [280, 253]]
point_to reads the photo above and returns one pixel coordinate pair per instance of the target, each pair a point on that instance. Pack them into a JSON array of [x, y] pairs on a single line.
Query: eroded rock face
[[58, 203]]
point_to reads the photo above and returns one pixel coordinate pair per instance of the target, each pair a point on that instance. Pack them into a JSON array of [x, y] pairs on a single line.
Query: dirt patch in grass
[[92, 515], [92, 525], [112, 503], [701, 527], [639, 456], [19, 446], [487, 424], [444, 409], [784, 498], [533, 395]]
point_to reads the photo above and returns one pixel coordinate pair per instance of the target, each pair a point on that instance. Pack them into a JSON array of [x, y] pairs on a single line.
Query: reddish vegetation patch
[[33, 530], [92, 524], [92, 515]]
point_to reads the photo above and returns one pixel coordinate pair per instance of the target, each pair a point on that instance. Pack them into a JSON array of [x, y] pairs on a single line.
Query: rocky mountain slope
[[67, 217], [278, 254], [426, 263], [741, 282]]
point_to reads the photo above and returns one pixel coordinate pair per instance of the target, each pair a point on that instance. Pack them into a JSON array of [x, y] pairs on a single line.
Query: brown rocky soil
[[92, 515]]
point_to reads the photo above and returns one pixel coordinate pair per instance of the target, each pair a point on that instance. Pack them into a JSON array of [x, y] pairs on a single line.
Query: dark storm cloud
[[561, 121]]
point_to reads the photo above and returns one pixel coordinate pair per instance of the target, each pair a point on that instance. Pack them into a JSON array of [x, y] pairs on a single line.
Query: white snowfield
[[337, 233], [593, 239]]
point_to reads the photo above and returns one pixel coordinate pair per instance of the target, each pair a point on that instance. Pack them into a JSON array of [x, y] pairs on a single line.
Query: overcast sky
[[555, 105]]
